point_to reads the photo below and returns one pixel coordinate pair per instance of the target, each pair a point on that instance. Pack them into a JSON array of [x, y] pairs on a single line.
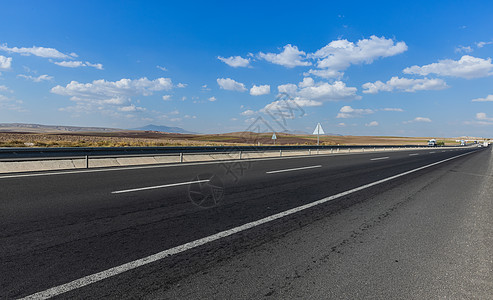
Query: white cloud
[[349, 112], [101, 93], [467, 67], [308, 89], [235, 61], [463, 49], [260, 90], [482, 44], [482, 116], [418, 119], [324, 73], [97, 66], [341, 124], [161, 68], [338, 55], [38, 51], [3, 88], [183, 98], [392, 109], [290, 57], [230, 85], [36, 79], [404, 84], [5, 62], [131, 108], [488, 98], [167, 97], [212, 99], [181, 85], [248, 112], [77, 64], [372, 124]]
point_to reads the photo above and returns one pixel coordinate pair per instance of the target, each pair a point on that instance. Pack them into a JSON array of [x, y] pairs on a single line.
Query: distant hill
[[38, 128], [162, 128]]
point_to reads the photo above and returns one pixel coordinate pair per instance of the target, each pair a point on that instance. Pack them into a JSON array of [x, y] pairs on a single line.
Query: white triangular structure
[[274, 137], [318, 130]]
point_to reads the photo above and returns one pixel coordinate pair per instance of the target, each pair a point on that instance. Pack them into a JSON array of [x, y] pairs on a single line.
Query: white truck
[[432, 143]]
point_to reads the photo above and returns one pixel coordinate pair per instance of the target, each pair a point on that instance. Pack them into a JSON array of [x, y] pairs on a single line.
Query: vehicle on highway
[[432, 143]]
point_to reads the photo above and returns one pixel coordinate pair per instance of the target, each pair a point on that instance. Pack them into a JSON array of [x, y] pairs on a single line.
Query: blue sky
[[415, 68]]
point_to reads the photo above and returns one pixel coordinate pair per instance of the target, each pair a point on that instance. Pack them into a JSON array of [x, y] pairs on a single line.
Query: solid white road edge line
[[378, 158], [159, 186], [84, 281], [412, 154], [294, 169]]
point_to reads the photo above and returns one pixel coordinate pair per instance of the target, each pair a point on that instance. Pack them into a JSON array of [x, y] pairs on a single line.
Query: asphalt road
[[426, 234]]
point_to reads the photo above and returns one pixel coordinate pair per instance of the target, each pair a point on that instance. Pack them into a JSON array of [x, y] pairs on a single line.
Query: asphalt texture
[[424, 235]]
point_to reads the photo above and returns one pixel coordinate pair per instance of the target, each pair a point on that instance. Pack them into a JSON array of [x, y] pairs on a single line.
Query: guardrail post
[[240, 154], [374, 149], [363, 149], [318, 150], [181, 157], [349, 150], [280, 153], [309, 151], [87, 161]]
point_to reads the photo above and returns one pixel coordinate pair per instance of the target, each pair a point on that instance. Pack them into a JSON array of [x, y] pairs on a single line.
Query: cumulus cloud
[[101, 93], [38, 51], [212, 99], [372, 124], [482, 117], [488, 98], [5, 62], [181, 85], [324, 73], [248, 112], [231, 85], [260, 90], [404, 84], [482, 44], [36, 79], [466, 67], [349, 112], [235, 61], [310, 90], [77, 64], [463, 49], [338, 55], [167, 97], [161, 68], [290, 57], [418, 119]]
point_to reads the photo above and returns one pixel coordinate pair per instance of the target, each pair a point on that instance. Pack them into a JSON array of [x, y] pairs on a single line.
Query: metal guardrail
[[49, 154], [74, 152]]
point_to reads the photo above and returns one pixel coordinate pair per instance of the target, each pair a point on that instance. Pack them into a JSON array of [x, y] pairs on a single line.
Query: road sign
[[318, 131], [274, 137]]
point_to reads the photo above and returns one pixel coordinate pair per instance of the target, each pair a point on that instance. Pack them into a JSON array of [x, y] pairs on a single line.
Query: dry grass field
[[153, 138]]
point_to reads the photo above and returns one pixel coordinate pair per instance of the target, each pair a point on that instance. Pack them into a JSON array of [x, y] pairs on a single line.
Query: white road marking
[[87, 280], [432, 152], [412, 154], [379, 158], [159, 186], [294, 169]]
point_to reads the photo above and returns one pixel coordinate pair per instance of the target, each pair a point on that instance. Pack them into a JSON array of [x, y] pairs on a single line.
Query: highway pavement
[[405, 224]]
